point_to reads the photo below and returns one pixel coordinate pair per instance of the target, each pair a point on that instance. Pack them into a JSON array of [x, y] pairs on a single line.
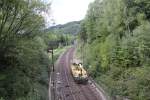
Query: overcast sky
[[64, 11]]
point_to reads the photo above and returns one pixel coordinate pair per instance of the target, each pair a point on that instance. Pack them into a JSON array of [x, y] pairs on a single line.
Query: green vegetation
[[115, 42], [68, 28], [24, 62]]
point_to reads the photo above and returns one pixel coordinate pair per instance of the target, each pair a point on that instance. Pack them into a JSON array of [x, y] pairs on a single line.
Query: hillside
[[68, 28], [115, 44]]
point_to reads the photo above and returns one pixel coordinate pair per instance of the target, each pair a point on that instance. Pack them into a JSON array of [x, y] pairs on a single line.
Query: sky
[[63, 11]]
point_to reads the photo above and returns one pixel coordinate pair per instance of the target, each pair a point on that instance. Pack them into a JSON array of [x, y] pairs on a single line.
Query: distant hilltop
[[68, 28]]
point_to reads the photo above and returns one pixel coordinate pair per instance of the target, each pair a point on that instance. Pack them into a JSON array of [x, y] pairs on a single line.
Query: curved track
[[66, 88]]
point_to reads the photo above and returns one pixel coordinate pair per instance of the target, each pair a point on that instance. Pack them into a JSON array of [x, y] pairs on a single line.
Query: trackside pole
[[52, 81]]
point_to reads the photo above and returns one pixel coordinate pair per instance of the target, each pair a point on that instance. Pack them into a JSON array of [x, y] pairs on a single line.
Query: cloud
[[64, 11]]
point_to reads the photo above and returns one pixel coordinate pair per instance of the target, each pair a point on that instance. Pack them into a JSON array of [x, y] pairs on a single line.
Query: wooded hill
[[68, 28]]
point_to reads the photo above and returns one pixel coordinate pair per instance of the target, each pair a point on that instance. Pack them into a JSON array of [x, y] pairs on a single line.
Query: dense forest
[[68, 28], [24, 61], [115, 44]]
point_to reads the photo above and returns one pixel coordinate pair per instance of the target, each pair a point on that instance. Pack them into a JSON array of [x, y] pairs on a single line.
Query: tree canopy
[[23, 58], [116, 36]]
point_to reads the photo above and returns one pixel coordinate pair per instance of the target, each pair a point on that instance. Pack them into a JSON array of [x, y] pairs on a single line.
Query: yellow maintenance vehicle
[[79, 73]]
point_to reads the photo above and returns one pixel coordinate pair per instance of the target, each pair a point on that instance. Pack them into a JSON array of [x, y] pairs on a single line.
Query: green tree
[[117, 47]]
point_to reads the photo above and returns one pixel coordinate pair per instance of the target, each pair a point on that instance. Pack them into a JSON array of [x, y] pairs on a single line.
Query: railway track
[[65, 86]]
